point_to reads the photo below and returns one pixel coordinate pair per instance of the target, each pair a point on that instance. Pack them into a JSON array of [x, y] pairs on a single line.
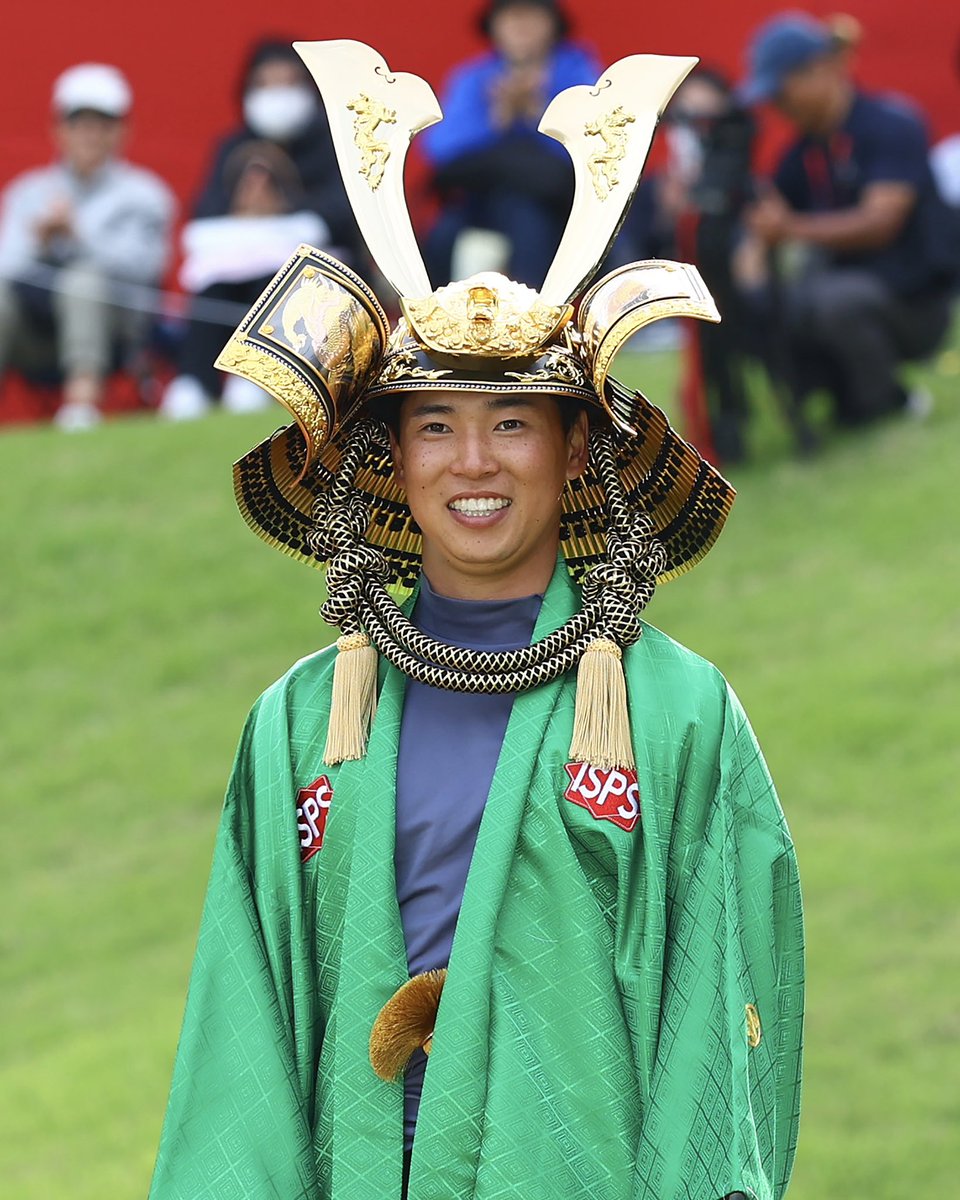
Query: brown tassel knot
[[406, 1023]]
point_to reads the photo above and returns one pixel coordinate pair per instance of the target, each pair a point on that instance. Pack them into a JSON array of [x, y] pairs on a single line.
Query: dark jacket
[[313, 156]]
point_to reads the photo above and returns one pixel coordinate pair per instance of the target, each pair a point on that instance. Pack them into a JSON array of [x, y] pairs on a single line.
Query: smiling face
[[483, 476]]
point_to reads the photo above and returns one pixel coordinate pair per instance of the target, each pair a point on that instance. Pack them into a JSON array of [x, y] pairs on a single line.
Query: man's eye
[[511, 423], [434, 427]]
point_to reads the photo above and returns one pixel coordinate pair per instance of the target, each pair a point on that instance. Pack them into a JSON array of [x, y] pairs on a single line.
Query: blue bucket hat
[[781, 45]]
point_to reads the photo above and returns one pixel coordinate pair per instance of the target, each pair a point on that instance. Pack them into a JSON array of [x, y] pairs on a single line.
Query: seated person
[[492, 168], [273, 184], [75, 239], [879, 249]]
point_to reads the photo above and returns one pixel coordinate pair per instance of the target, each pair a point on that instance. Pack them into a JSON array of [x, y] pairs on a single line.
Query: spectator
[[491, 167], [855, 194], [945, 157], [945, 161], [74, 237], [692, 210], [273, 183]]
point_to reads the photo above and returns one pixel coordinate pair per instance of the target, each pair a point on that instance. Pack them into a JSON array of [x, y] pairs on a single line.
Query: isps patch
[[609, 795], [313, 804]]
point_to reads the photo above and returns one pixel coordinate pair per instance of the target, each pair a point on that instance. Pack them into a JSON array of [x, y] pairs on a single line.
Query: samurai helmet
[[322, 489]]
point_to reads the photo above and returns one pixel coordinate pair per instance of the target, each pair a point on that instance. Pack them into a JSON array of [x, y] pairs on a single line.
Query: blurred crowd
[[830, 275]]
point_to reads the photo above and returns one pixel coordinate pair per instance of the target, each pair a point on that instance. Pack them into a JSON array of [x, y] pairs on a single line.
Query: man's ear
[[397, 456], [578, 446]]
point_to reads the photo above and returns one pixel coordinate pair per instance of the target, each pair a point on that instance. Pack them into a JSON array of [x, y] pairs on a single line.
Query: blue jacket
[[467, 123]]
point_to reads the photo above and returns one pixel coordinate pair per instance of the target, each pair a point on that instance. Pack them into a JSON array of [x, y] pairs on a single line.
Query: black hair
[[561, 20], [570, 409], [714, 76], [269, 49]]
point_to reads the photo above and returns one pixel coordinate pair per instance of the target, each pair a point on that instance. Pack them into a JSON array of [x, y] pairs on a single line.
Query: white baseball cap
[[93, 86]]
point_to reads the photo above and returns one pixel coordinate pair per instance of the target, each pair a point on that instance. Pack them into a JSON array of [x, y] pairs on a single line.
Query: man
[[492, 168], [856, 193], [516, 914], [73, 235]]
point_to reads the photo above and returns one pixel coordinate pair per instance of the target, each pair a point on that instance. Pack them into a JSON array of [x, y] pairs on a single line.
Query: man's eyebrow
[[431, 410], [513, 401], [494, 404]]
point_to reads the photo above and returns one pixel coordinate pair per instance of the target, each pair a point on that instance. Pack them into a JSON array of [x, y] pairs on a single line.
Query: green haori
[[592, 1038]]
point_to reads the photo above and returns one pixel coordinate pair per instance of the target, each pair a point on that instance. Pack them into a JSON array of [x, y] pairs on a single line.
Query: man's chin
[[473, 561]]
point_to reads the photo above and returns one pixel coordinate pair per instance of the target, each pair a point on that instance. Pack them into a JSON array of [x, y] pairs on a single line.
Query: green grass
[[140, 619]]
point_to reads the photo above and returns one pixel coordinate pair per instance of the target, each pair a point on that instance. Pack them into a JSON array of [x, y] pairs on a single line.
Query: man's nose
[[474, 458]]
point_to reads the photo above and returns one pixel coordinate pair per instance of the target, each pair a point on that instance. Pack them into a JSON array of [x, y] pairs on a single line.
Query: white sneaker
[[242, 396], [76, 418], [184, 400], [919, 403]]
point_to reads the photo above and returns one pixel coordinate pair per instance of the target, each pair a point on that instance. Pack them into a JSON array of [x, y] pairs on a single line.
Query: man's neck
[[480, 582], [89, 173]]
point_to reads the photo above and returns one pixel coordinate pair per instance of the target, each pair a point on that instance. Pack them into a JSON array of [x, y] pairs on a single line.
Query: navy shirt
[[882, 140], [448, 751]]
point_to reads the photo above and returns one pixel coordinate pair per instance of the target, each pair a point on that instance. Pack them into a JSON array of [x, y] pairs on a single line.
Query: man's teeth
[[481, 507]]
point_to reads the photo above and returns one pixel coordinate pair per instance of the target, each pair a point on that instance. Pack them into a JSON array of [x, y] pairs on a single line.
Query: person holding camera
[[699, 199]]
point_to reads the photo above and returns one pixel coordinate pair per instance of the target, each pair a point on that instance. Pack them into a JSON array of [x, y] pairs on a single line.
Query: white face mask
[[279, 113]]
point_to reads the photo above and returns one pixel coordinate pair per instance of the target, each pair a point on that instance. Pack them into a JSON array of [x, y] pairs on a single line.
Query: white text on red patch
[[609, 795], [313, 804]]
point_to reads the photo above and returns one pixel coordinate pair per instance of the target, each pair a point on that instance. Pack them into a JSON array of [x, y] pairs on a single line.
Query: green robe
[[592, 1039]]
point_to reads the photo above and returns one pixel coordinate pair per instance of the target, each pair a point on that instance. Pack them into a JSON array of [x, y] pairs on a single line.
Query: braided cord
[[464, 678], [614, 591], [380, 608]]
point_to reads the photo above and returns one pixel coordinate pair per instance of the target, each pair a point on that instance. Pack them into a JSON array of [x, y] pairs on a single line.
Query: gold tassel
[[353, 702], [405, 1023], [601, 722]]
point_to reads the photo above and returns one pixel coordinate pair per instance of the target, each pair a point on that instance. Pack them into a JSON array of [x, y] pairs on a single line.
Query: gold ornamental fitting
[[754, 1032], [314, 340], [621, 303], [485, 316], [373, 113]]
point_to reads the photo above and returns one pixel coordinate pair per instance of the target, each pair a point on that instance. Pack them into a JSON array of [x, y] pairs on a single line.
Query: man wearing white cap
[[72, 235]]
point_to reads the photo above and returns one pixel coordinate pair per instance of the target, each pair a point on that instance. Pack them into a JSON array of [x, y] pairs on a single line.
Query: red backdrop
[[182, 56]]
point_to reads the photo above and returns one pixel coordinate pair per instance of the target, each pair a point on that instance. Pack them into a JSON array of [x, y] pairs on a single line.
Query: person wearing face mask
[[272, 184]]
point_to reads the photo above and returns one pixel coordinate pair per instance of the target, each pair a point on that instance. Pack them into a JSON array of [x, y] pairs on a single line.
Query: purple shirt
[[448, 751]]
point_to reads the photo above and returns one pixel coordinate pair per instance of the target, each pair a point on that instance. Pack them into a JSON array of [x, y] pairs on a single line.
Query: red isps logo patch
[[598, 791], [313, 805]]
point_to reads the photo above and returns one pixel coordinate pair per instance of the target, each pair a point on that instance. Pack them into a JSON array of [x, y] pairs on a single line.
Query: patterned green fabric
[[591, 1040]]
